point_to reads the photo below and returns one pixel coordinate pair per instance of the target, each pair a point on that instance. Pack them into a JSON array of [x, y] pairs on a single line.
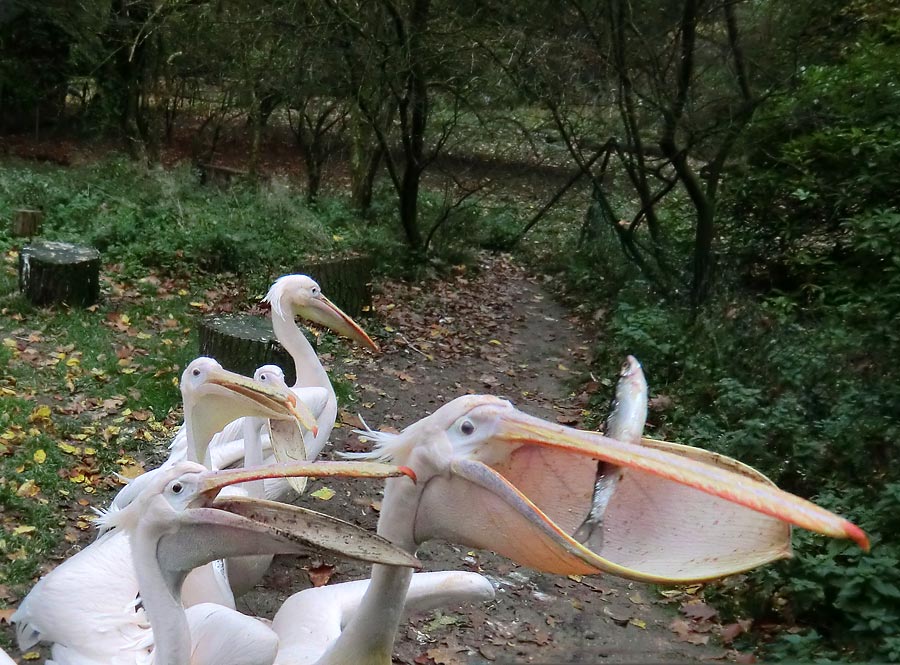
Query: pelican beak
[[678, 514], [324, 312], [232, 526], [214, 481], [269, 402]]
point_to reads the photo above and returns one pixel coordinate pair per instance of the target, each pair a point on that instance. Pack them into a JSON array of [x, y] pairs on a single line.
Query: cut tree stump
[[59, 272], [26, 223], [346, 281], [221, 176], [241, 343]]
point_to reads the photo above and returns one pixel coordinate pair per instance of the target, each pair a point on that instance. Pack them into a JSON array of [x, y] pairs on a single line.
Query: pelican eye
[[262, 377], [467, 427], [196, 372], [177, 487], [316, 291]]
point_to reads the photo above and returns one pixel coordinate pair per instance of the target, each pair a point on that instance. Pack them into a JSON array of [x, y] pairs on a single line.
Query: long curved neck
[[368, 638], [199, 430], [171, 634], [306, 363], [253, 455]]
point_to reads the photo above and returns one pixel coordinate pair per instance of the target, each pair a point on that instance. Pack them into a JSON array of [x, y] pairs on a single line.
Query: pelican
[[93, 592], [492, 477], [291, 296], [175, 525]]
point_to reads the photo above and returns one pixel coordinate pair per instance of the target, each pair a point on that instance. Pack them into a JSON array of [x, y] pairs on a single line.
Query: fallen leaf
[[40, 456], [320, 575], [352, 420], [442, 656], [697, 609], [619, 617], [40, 413], [6, 614], [323, 493], [19, 530]]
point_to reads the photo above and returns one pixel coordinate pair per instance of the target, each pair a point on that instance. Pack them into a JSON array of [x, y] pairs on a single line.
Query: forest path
[[493, 330]]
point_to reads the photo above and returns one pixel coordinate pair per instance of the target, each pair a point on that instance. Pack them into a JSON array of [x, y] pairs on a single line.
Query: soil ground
[[500, 332]]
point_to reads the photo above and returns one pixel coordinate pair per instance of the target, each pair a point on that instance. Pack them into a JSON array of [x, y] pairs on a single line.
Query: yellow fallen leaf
[[182, 292], [40, 413], [576, 578], [19, 530], [40, 456], [28, 489], [143, 335], [125, 319], [67, 448], [79, 437], [90, 451], [324, 493], [640, 623], [562, 368], [72, 362], [9, 343], [31, 655], [496, 342]]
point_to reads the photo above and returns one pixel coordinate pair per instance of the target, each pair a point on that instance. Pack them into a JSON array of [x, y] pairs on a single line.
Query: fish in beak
[[492, 477]]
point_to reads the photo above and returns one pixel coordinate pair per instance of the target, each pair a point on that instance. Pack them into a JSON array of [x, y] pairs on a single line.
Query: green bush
[[163, 219]]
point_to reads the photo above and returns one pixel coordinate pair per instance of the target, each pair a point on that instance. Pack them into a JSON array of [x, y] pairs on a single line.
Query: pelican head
[[300, 295], [213, 397], [491, 476], [185, 498]]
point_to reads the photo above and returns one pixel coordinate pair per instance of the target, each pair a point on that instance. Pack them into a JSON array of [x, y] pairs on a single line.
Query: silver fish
[[625, 422]]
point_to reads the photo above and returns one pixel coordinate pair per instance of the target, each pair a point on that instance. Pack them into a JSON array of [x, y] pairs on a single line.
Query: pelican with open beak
[[177, 524], [525, 488]]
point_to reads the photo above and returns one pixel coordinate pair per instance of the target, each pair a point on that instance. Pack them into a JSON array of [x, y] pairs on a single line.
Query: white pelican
[[291, 296], [492, 477], [175, 525], [93, 592]]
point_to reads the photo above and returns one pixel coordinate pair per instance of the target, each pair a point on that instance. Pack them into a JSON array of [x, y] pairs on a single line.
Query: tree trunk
[[242, 343], [26, 223], [58, 272]]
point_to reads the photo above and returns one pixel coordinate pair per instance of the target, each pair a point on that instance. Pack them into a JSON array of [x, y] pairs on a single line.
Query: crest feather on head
[[275, 296], [388, 446]]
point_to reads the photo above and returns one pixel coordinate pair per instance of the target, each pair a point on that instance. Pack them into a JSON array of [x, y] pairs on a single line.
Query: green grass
[[89, 393]]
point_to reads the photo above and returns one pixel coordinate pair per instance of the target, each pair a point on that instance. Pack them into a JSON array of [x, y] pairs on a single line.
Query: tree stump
[[346, 281], [26, 223], [242, 342], [59, 272], [216, 174]]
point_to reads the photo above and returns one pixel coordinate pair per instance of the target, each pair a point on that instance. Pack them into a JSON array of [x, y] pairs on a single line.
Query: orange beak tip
[[858, 536], [409, 473], [315, 430]]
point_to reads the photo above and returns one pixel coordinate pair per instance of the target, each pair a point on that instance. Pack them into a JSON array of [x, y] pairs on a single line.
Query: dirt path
[[496, 332]]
